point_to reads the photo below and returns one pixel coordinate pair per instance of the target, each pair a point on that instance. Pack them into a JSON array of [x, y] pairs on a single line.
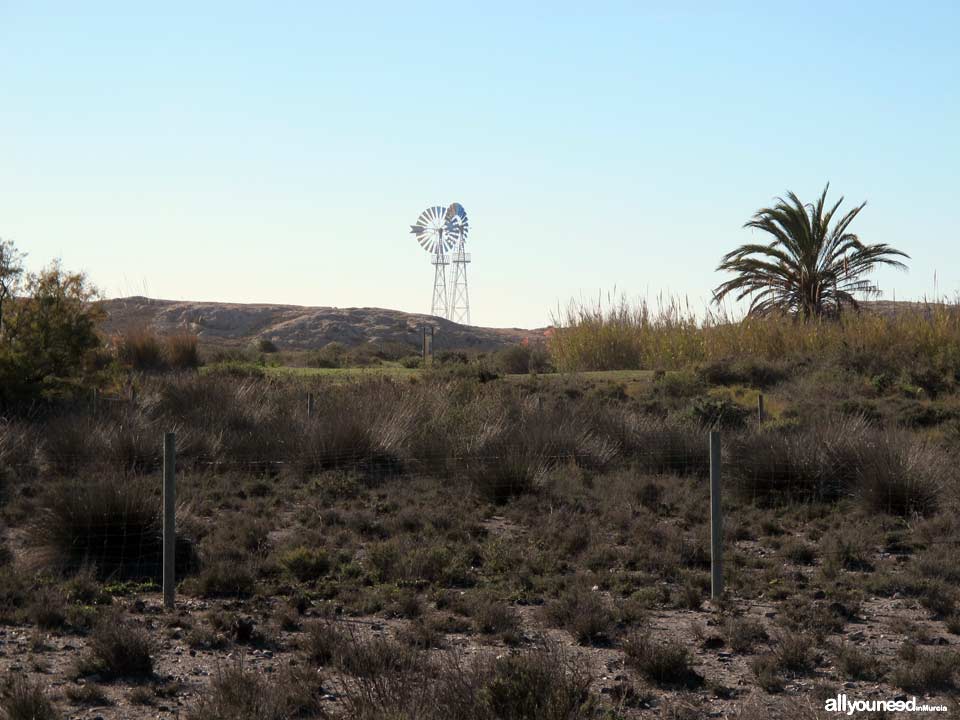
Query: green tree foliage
[[809, 269], [11, 273], [49, 330]]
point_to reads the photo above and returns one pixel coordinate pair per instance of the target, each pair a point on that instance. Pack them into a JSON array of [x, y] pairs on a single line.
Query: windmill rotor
[[431, 230], [458, 226]]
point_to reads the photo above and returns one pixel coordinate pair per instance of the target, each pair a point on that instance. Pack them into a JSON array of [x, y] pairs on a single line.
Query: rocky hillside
[[294, 327]]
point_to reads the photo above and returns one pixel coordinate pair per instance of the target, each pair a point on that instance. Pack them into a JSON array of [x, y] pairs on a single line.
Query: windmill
[[458, 227], [438, 230]]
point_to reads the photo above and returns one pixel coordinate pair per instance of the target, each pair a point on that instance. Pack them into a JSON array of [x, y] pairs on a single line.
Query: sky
[[278, 152]]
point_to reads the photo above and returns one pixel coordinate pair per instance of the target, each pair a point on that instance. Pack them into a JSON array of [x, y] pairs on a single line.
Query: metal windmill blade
[[431, 230], [458, 226]]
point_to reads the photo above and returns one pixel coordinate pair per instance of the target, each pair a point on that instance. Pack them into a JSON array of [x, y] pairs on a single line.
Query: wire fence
[[121, 534]]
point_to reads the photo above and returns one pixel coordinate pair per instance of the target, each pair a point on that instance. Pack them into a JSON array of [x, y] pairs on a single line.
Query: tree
[[49, 331], [809, 269], [11, 271]]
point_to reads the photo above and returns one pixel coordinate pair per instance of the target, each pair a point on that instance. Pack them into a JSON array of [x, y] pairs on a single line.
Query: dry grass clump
[[141, 349], [923, 671], [673, 336], [180, 351], [667, 664], [857, 664], [23, 699], [889, 472], [743, 634], [115, 649], [240, 694], [111, 523], [584, 614], [541, 683]]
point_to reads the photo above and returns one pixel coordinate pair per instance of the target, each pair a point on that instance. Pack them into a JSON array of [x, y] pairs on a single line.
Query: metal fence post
[[716, 521], [759, 409], [169, 518], [309, 405]]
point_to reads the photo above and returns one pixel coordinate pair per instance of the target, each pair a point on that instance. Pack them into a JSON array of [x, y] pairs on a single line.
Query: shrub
[[923, 671], [47, 608], [306, 564], [666, 664], [117, 649], [238, 694], [88, 694], [539, 684], [584, 614], [224, 577], [794, 653], [324, 642], [743, 634], [709, 412], [493, 617], [773, 467], [139, 348], [266, 346], [331, 355], [766, 669], [856, 664], [180, 351], [901, 476], [23, 699], [111, 523]]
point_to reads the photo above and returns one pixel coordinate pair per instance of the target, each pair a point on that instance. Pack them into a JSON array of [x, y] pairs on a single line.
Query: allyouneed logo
[[842, 704]]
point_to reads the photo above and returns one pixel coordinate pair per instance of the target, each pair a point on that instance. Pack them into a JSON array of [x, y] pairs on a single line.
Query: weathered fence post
[[716, 521], [169, 518], [759, 409], [94, 400], [427, 344], [309, 405]]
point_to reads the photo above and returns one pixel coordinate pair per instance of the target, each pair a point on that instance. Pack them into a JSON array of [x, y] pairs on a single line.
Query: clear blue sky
[[278, 152]]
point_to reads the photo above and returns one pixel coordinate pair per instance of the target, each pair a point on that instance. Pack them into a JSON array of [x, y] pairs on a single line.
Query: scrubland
[[457, 544]]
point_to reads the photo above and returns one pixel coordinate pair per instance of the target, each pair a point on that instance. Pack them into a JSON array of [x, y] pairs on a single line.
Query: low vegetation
[[486, 539]]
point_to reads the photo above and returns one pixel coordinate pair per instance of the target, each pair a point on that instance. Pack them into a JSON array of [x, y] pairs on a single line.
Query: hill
[[296, 327]]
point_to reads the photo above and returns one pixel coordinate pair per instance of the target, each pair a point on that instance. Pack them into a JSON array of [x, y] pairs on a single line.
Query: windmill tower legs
[[439, 306], [459, 293]]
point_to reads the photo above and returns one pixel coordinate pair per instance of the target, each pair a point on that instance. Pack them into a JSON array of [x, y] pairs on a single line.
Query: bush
[[855, 664], [306, 564], [666, 664], [745, 371], [324, 643], [493, 617], [117, 649], [331, 355], [181, 352], [111, 523], [584, 614], [540, 684], [923, 672], [223, 577], [139, 349], [238, 694], [902, 476], [743, 634], [23, 699], [718, 413]]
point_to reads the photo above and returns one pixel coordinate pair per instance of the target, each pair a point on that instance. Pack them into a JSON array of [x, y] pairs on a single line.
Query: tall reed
[[624, 336]]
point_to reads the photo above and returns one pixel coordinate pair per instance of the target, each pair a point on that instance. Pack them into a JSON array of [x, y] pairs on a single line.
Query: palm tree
[[809, 269]]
